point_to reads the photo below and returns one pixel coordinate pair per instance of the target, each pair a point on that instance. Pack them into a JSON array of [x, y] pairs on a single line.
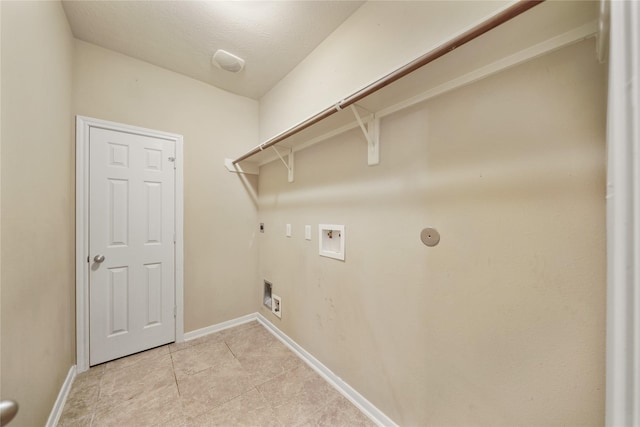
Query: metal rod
[[475, 32]]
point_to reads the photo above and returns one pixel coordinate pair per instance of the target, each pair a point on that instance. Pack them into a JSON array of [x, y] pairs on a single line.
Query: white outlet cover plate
[[307, 232], [276, 305], [288, 230]]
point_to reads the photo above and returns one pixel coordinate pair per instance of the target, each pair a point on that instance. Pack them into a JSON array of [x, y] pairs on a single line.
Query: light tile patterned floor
[[241, 376]]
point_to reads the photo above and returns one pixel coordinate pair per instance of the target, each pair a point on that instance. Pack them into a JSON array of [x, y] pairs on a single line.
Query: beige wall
[[382, 36], [368, 45], [220, 214], [503, 323], [38, 321]]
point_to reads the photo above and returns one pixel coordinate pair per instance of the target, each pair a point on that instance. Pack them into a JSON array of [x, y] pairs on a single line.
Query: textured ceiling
[[271, 36]]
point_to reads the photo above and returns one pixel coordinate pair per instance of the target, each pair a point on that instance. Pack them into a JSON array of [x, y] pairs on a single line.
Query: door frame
[[622, 407], [83, 126]]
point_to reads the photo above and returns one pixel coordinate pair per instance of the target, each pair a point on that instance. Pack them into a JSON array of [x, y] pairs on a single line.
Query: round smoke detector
[[227, 61]]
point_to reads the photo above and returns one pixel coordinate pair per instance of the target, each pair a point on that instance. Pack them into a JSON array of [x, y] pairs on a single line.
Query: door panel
[[118, 301], [131, 223], [118, 212]]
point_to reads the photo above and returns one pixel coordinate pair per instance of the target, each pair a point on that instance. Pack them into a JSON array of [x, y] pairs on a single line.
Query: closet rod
[[509, 13]]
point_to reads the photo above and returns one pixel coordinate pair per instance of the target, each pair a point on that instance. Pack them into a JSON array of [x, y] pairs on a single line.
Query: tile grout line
[[323, 407], [175, 379], [95, 404], [253, 386], [273, 408], [231, 351], [246, 369], [284, 374]]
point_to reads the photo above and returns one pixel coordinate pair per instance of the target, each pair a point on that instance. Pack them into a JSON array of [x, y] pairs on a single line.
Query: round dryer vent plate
[[430, 236]]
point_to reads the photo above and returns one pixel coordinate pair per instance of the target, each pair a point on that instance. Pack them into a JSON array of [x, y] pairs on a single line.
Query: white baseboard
[[375, 414], [220, 326], [58, 406]]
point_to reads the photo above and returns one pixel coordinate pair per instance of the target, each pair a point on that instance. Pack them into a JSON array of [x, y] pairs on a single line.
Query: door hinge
[[173, 160], [174, 237], [88, 259], [175, 310]]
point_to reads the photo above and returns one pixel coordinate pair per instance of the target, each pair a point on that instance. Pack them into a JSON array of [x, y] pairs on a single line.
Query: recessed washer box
[[331, 240]]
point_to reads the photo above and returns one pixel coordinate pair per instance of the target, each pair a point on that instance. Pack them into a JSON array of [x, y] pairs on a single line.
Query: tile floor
[[241, 376]]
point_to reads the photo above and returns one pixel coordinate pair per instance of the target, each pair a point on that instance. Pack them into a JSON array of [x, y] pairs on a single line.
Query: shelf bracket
[[287, 163], [244, 167], [372, 133]]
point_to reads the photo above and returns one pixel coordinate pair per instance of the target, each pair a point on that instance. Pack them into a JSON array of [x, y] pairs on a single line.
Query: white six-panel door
[[131, 243]]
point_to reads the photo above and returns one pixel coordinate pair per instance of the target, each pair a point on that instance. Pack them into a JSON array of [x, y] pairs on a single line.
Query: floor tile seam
[[274, 407], [175, 378], [116, 390], [194, 345], [157, 356], [93, 416], [302, 380], [231, 399], [243, 330], [325, 406], [235, 356], [134, 400], [235, 333], [199, 349], [258, 391], [282, 375], [310, 415], [187, 376], [219, 404], [254, 348], [302, 392], [266, 400], [100, 392], [77, 390], [268, 379]]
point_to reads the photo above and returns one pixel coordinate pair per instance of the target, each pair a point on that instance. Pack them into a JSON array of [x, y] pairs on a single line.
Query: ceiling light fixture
[[227, 61]]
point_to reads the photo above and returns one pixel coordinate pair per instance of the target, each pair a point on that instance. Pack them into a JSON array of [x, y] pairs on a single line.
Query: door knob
[[8, 410], [98, 258]]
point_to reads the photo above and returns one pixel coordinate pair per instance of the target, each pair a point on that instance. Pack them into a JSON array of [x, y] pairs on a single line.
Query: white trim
[[245, 167], [220, 326], [550, 45], [83, 124], [58, 405], [367, 408], [623, 218], [179, 246]]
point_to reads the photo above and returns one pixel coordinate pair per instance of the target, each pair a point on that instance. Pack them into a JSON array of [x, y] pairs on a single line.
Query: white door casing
[[127, 181], [622, 406]]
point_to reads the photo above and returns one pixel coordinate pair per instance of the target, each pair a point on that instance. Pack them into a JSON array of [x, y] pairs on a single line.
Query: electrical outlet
[[288, 230], [307, 232], [276, 305]]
